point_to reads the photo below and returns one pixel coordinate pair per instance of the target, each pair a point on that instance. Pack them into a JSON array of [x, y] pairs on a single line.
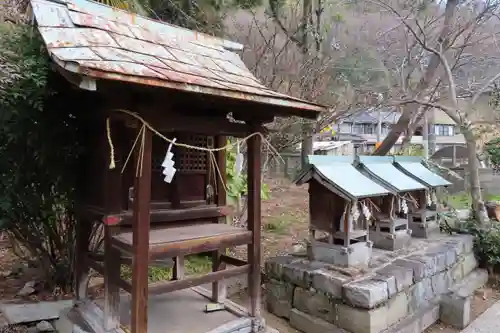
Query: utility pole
[[379, 126], [425, 135]]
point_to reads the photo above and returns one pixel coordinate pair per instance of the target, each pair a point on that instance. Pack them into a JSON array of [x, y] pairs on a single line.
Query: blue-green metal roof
[[412, 165], [381, 168], [341, 174]]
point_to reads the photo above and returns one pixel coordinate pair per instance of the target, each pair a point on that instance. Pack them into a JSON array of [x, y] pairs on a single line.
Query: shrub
[[39, 149], [486, 243]]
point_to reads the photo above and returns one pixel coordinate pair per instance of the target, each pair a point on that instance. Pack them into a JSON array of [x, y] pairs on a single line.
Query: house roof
[[381, 169], [100, 42], [329, 145], [340, 174], [370, 116], [413, 167], [447, 152]]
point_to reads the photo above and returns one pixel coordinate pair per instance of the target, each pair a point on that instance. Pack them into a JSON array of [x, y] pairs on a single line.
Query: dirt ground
[[285, 217], [482, 300]]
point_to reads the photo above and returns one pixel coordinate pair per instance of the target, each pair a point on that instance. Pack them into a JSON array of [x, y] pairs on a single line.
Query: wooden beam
[[233, 261], [185, 247], [170, 215], [168, 122], [83, 232], [169, 286], [254, 222], [142, 198], [99, 268]]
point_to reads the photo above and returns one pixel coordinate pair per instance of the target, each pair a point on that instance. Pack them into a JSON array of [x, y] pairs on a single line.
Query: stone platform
[[399, 291]]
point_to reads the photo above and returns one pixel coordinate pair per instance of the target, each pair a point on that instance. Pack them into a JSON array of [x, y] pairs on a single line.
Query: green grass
[[463, 200], [193, 265], [277, 224]]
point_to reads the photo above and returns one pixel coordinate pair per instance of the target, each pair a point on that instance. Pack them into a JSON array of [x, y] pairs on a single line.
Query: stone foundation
[[352, 255], [423, 224], [398, 292], [391, 241]]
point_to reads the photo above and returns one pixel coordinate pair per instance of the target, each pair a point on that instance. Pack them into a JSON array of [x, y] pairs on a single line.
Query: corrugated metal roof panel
[[140, 46], [128, 68], [415, 168], [345, 176], [341, 173], [75, 53], [52, 14], [114, 54], [381, 167], [75, 37], [87, 20], [375, 159], [189, 54]]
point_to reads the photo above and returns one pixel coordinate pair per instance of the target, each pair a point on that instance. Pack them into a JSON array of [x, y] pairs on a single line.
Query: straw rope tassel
[[211, 151], [112, 163]]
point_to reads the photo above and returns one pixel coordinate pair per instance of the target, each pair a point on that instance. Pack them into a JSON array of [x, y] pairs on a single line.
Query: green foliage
[[463, 200], [493, 150], [135, 6], [237, 183], [38, 145], [193, 265], [412, 150], [201, 15], [486, 243], [277, 225]]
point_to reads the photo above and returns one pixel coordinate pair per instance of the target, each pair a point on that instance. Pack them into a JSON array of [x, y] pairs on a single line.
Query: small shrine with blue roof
[[341, 206], [357, 202]]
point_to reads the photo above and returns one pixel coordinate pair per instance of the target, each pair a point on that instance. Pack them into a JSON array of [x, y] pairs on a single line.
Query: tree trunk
[[432, 133], [478, 207], [307, 143], [307, 128], [425, 136], [408, 112]]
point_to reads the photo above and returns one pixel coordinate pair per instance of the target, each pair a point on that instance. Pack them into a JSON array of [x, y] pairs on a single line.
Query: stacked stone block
[[317, 297]]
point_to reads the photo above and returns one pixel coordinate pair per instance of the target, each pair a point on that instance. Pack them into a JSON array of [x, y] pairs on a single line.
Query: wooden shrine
[[390, 230], [150, 88], [425, 219], [340, 208]]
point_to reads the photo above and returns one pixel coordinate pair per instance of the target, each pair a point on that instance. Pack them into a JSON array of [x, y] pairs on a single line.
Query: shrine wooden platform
[[174, 312]]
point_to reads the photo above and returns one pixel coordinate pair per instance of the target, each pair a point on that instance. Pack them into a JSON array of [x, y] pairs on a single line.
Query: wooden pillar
[[254, 222], [111, 278], [178, 269], [140, 258], [83, 231], [219, 287], [114, 202]]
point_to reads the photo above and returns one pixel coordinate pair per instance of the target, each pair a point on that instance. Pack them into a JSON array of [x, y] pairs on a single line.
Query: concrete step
[[456, 305], [418, 321], [309, 324], [487, 322]]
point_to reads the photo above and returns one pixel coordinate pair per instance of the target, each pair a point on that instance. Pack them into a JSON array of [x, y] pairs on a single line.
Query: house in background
[[333, 148], [364, 126]]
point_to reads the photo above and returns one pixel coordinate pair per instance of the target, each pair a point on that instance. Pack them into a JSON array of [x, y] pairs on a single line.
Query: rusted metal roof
[[101, 42]]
